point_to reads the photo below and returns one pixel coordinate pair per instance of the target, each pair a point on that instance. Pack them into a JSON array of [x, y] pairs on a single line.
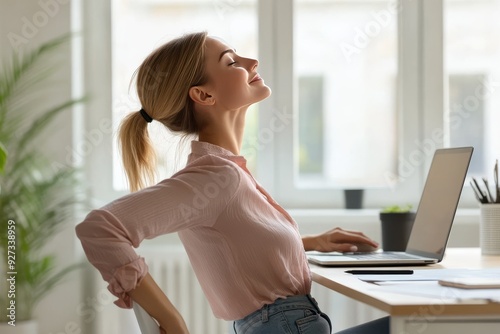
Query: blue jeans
[[293, 315]]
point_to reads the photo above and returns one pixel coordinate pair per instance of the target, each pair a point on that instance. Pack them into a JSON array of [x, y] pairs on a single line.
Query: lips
[[256, 78]]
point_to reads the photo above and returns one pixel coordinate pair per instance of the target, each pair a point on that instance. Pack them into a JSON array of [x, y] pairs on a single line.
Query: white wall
[[28, 24]]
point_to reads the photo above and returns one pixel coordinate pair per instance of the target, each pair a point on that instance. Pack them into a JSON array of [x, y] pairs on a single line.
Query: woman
[[245, 249]]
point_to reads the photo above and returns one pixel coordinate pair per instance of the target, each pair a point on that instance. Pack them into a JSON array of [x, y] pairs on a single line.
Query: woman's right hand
[[174, 327], [339, 240]]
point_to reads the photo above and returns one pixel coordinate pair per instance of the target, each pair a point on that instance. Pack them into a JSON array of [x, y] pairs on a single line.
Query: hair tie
[[145, 115]]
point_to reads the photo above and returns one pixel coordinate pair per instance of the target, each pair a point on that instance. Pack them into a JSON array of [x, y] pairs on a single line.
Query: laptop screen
[[439, 202]]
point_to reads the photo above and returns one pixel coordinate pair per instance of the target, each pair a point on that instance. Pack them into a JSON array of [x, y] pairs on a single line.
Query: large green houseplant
[[36, 199]]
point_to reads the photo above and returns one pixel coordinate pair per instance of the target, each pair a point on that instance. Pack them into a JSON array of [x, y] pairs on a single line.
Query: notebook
[[433, 219]]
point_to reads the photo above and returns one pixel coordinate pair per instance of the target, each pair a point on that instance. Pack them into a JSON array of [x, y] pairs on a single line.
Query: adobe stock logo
[[459, 113], [30, 27], [371, 29], [223, 7]]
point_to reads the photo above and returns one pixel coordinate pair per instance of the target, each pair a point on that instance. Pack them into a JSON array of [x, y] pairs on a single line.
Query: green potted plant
[[36, 199], [397, 222]]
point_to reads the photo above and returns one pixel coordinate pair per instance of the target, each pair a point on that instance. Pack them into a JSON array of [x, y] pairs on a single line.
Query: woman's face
[[233, 80]]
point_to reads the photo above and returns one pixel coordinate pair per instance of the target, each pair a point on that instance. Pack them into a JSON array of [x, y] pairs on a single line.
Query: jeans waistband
[[282, 304]]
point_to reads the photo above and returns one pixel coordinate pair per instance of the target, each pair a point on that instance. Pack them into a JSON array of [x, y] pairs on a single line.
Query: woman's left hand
[[339, 240]]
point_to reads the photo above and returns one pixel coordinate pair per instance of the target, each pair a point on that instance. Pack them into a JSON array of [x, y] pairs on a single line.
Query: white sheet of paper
[[434, 290], [433, 275]]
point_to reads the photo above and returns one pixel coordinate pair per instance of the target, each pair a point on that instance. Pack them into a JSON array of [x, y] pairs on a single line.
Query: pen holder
[[489, 229]]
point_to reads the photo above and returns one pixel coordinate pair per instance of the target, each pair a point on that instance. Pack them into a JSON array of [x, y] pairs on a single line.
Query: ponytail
[[163, 83], [138, 155]]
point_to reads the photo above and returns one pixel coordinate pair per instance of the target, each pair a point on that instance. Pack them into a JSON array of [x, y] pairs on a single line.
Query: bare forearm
[[152, 299], [309, 242]]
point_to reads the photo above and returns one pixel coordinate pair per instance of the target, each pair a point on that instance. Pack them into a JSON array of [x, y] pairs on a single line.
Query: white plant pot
[[22, 327]]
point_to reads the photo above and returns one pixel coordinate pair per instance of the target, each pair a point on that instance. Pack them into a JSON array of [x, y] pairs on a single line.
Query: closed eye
[[232, 63]]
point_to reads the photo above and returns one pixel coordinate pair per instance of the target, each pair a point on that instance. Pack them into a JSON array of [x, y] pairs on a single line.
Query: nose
[[252, 64]]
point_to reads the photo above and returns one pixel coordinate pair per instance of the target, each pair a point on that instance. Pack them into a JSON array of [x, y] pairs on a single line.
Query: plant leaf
[[3, 157]]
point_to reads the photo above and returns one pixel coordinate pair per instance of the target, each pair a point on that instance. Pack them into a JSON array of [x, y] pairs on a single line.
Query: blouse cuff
[[125, 279]]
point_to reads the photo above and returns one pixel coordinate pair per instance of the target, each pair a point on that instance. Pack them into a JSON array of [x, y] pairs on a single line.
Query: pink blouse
[[245, 249]]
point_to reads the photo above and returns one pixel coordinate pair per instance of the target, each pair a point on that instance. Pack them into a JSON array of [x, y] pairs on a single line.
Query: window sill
[[362, 215]]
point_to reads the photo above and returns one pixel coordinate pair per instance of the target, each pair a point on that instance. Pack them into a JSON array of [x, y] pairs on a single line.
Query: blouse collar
[[200, 148]]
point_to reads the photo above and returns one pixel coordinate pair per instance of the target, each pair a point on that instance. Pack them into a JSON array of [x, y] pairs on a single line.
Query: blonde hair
[[163, 82]]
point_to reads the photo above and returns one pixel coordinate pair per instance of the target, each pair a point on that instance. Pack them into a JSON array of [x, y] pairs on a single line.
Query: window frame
[[421, 87], [97, 34], [281, 180], [421, 103]]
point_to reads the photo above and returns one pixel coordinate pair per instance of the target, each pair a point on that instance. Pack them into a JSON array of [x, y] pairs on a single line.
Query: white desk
[[422, 315]]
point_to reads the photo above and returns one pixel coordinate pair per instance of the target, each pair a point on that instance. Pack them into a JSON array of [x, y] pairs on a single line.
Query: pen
[[488, 193], [482, 197], [477, 192], [379, 272]]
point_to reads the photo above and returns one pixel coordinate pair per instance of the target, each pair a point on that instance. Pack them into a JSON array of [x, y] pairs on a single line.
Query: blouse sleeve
[[192, 198]]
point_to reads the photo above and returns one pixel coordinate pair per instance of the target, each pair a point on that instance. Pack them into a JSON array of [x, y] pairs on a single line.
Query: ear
[[199, 95]]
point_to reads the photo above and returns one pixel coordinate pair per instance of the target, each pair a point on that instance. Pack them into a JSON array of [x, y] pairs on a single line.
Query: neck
[[226, 132]]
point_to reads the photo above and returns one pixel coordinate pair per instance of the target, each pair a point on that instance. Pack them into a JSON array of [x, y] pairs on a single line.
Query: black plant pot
[[353, 198], [396, 229]]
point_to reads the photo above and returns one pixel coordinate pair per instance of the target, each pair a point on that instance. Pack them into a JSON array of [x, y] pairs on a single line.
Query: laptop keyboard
[[381, 256]]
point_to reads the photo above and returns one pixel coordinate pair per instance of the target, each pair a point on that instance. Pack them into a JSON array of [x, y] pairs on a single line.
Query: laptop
[[433, 219]]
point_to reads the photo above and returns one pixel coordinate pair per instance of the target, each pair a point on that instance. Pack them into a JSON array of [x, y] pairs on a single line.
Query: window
[[415, 63], [343, 90], [473, 75], [363, 91], [352, 49]]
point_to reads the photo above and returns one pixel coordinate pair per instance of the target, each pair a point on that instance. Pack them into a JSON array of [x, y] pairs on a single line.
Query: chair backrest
[[146, 323]]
